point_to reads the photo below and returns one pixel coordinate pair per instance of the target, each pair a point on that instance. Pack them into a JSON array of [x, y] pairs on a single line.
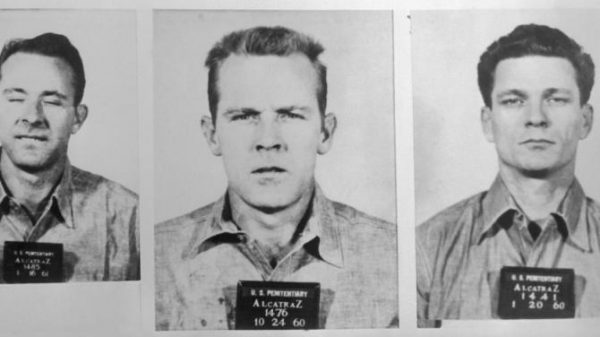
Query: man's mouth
[[268, 169], [32, 137], [537, 141]]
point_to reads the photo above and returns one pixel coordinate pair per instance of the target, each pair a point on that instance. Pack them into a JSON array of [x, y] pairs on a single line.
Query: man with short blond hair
[[273, 234]]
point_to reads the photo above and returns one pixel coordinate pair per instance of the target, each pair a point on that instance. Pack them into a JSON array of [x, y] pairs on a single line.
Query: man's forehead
[[37, 71], [535, 71], [269, 79], [29, 58]]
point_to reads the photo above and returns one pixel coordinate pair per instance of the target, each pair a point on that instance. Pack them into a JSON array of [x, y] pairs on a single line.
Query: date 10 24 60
[[278, 318]]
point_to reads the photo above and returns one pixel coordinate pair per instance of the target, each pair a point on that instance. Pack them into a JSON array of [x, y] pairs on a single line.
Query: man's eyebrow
[[256, 111], [13, 90], [54, 93], [293, 108], [551, 91], [240, 110], [515, 92]]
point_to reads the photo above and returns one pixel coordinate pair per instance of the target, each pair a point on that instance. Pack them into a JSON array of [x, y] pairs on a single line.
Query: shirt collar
[[322, 228], [62, 196], [60, 200], [496, 203], [571, 212], [4, 196]]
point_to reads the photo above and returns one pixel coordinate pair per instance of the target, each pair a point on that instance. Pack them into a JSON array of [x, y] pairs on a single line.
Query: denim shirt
[[461, 250], [94, 218], [201, 256]]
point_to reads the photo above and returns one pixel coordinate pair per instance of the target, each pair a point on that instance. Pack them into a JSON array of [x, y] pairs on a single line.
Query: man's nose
[[537, 114], [269, 136], [33, 113]]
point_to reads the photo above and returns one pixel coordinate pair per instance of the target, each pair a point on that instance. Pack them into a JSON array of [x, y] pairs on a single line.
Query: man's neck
[[27, 188], [274, 229], [538, 196]]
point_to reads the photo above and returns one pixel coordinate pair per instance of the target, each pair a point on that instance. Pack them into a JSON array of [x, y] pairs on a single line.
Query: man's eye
[[243, 117], [16, 100], [53, 102], [290, 115], [558, 100], [512, 101]]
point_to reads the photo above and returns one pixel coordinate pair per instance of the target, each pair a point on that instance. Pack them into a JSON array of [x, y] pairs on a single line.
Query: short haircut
[[52, 45], [539, 40], [279, 41]]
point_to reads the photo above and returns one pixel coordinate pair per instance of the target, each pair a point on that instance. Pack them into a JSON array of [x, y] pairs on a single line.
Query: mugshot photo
[[506, 161], [274, 170], [68, 147]]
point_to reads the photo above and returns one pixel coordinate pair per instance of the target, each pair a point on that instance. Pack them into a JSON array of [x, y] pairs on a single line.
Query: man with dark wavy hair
[[529, 246], [57, 222], [274, 231]]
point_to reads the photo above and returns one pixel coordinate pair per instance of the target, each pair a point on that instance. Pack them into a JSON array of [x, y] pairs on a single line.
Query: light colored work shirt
[[94, 218], [201, 256], [461, 250]]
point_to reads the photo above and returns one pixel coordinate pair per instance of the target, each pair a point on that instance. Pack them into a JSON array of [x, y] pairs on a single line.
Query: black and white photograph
[[56, 206], [69, 171], [506, 164], [274, 170], [305, 168]]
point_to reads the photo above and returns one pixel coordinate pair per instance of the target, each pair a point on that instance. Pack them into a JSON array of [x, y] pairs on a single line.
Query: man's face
[[37, 112], [536, 119], [269, 128]]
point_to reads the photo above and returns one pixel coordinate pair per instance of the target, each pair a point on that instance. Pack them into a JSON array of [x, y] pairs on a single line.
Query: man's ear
[[486, 123], [81, 113], [588, 120], [210, 134], [327, 131]]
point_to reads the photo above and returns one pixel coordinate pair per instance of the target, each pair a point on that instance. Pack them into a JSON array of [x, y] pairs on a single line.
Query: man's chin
[[33, 165], [271, 203], [539, 170], [32, 168], [536, 173], [273, 198], [270, 209]]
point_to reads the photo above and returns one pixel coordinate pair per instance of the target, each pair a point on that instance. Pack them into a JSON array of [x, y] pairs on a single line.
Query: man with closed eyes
[[84, 226]]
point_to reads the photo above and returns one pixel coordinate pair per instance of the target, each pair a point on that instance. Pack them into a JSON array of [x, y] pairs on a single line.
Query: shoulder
[[356, 218], [452, 219], [89, 185], [444, 239], [362, 228], [182, 228]]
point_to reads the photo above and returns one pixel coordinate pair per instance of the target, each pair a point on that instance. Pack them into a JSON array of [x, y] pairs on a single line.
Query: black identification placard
[[277, 305], [536, 293], [32, 262]]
